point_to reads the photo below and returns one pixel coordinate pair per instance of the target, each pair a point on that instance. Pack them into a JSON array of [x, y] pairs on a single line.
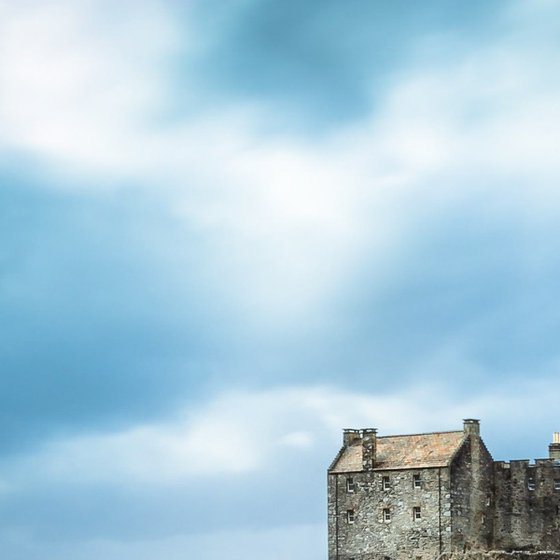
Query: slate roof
[[416, 451]]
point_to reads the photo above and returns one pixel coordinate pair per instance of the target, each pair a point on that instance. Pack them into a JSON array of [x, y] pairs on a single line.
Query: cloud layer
[[227, 232]]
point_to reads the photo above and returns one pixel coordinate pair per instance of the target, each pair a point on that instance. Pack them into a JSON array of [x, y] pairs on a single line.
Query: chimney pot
[[554, 447], [471, 427], [349, 436]]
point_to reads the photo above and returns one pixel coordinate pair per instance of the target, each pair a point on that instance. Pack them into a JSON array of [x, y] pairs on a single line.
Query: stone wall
[[472, 496], [454, 513], [373, 520], [527, 512]]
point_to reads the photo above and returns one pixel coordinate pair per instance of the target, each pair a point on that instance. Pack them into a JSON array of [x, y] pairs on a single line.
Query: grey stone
[[471, 503]]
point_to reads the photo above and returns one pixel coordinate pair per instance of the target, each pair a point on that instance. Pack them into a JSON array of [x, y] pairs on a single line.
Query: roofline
[[422, 434], [416, 468], [335, 460], [457, 451]]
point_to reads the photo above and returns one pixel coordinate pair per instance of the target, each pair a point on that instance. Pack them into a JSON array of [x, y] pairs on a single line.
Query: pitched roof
[[414, 451]]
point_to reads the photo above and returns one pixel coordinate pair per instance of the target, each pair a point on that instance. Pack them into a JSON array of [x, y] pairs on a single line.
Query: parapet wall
[[500, 555], [527, 505]]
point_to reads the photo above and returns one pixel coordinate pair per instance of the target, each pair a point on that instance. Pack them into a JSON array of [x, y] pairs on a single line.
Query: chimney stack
[[349, 436], [554, 447], [369, 448], [471, 427]]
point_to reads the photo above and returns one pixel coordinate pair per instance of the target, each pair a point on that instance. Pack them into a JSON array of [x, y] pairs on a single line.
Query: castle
[[423, 495]]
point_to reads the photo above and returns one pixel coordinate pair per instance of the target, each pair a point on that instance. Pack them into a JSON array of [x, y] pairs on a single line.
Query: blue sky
[[229, 230]]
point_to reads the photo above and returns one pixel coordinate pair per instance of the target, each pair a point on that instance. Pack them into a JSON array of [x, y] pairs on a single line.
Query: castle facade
[[423, 495]]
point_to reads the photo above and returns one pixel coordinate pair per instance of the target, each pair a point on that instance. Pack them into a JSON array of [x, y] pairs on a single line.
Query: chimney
[[554, 447], [369, 448], [349, 436], [471, 427]]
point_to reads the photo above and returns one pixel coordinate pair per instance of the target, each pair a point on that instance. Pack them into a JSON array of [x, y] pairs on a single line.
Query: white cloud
[[297, 439], [77, 87], [82, 91], [242, 432]]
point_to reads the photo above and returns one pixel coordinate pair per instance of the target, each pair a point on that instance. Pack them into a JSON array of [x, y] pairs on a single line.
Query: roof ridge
[[422, 434]]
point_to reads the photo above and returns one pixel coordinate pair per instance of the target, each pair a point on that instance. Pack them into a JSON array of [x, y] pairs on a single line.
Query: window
[[416, 481], [350, 485], [350, 516], [531, 484], [557, 484], [416, 513], [557, 510], [386, 483], [386, 514]]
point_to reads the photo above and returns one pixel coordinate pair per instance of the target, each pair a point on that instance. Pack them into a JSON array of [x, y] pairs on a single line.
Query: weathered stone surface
[[464, 505]]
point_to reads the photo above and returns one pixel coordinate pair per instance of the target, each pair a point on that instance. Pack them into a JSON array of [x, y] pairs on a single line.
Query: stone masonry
[[428, 496]]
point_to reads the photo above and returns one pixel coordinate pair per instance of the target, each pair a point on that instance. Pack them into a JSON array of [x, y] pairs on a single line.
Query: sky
[[230, 229]]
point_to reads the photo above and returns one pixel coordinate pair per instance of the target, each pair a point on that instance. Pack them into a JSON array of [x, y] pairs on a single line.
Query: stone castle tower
[[419, 496]]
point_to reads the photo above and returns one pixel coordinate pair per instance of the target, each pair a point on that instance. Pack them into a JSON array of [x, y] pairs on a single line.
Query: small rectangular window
[[416, 513], [416, 481], [531, 484], [557, 484], [350, 516], [386, 514], [386, 484], [350, 485]]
